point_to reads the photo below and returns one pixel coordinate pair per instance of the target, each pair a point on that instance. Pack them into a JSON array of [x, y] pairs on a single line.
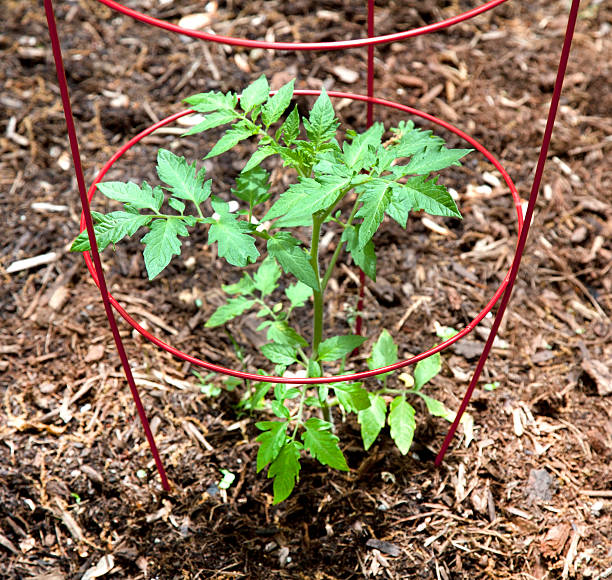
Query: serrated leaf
[[364, 257], [437, 408], [255, 94], [426, 369], [143, 197], [285, 470], [298, 294], [412, 140], [332, 163], [110, 228], [352, 396], [279, 353], [384, 353], [257, 157], [301, 200], [321, 123], [183, 179], [323, 444], [277, 104], [270, 441], [244, 286], [255, 400], [212, 120], [375, 196], [234, 242], [253, 186], [293, 259], [421, 194], [161, 243], [402, 423], [177, 205], [280, 332], [267, 276], [372, 420], [336, 347], [236, 133], [290, 129], [359, 154], [434, 158], [212, 101], [231, 309]]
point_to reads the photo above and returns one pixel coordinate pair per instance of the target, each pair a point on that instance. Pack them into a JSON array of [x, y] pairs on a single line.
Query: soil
[[529, 497]]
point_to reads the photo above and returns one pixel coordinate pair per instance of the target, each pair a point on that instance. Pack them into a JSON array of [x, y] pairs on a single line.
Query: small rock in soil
[[539, 485], [386, 547]]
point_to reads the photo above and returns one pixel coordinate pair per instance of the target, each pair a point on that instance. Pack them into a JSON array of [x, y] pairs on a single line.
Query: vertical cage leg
[[535, 188], [74, 147]]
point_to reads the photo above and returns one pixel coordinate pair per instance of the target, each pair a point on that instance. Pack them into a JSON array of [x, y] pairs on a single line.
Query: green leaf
[[426, 370], [110, 228], [234, 242], [255, 94], [372, 420], [298, 294], [184, 180], [384, 353], [359, 154], [402, 423], [434, 158], [352, 396], [270, 441], [336, 347], [418, 193], [244, 286], [376, 196], [412, 140], [213, 120], [285, 470], [293, 259], [279, 353], [161, 243], [290, 129], [323, 444], [280, 332], [236, 133], [322, 123], [277, 104], [177, 205], [212, 101], [438, 408], [257, 157], [228, 311], [267, 276], [253, 186], [301, 200], [364, 257], [143, 197], [254, 401]]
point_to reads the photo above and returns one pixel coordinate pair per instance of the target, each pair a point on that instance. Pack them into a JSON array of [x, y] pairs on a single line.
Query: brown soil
[[530, 497]]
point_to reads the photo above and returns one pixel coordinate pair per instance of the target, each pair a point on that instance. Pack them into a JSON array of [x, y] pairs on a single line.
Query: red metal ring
[[336, 45], [311, 380]]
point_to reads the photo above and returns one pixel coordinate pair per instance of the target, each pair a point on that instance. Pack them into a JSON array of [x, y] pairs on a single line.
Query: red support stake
[[78, 168], [535, 188]]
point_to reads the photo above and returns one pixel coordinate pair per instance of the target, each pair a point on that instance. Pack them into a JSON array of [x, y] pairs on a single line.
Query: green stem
[[317, 295]]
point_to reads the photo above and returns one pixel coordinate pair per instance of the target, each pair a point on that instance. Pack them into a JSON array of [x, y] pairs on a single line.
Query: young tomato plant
[[347, 186]]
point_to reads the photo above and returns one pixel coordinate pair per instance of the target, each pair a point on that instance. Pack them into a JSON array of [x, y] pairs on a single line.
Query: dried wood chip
[[552, 543], [95, 353], [539, 485], [602, 375], [196, 21], [346, 75], [103, 567], [5, 542], [386, 547]]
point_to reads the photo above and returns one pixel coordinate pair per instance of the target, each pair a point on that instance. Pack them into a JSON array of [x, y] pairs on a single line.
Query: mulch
[[527, 494]]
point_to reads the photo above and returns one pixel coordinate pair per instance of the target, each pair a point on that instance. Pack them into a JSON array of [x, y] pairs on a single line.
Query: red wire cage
[[503, 292]]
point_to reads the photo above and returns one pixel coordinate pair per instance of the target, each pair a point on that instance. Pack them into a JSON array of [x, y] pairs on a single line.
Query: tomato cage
[[501, 295]]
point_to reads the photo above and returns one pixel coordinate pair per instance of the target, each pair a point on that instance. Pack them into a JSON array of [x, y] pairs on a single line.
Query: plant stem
[[317, 295]]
